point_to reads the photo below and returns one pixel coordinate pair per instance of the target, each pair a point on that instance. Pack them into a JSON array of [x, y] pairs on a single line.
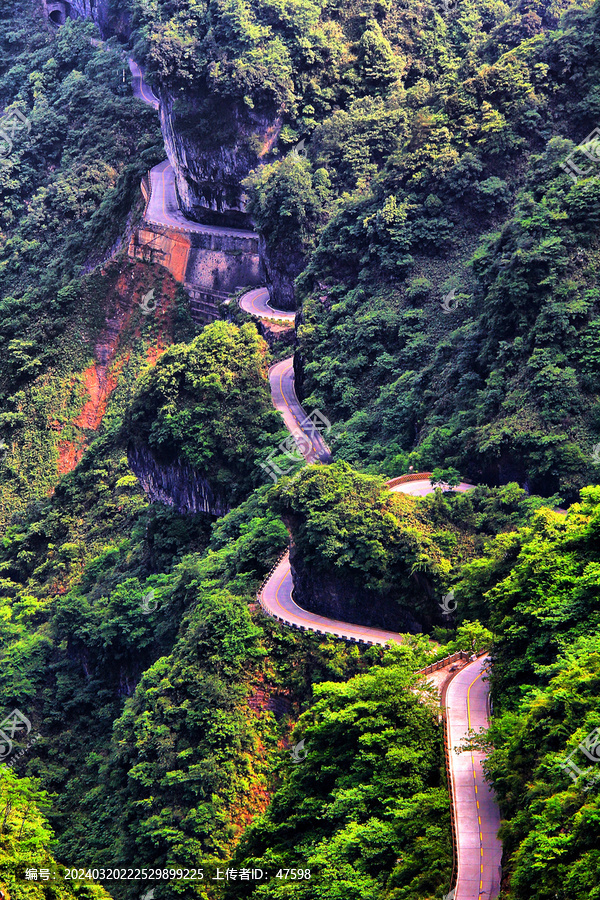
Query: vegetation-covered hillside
[[447, 267], [366, 811], [538, 590], [207, 404], [450, 261], [25, 846], [68, 188]]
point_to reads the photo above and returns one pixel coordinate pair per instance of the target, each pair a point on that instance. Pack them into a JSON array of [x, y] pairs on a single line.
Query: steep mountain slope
[[70, 343], [450, 256], [130, 633]]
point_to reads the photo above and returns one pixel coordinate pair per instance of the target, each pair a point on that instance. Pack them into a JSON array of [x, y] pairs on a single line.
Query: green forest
[[423, 177]]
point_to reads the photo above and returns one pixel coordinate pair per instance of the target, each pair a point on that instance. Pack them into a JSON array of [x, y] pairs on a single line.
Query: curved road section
[[276, 599], [256, 303], [141, 90], [163, 206], [306, 430], [424, 486], [476, 813]]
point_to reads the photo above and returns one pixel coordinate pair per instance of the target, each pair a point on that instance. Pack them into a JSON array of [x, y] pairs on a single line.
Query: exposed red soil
[[112, 353]]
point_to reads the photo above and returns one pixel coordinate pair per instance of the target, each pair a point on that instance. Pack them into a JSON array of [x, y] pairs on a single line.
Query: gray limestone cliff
[[100, 11], [281, 270], [212, 145], [212, 152], [340, 595], [175, 484]]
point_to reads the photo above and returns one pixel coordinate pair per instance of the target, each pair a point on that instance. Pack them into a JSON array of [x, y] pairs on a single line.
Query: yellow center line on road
[[469, 699], [293, 414], [475, 779], [284, 372], [277, 593], [329, 623], [149, 100]]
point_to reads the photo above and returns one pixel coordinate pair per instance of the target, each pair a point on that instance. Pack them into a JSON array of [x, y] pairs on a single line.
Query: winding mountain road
[[163, 207], [256, 303], [140, 88], [306, 430], [476, 814], [276, 598]]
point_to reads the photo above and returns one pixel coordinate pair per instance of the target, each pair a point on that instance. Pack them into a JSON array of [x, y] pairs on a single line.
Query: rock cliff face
[[209, 173], [97, 10], [211, 161], [212, 146], [343, 597], [207, 261], [175, 484], [281, 271]]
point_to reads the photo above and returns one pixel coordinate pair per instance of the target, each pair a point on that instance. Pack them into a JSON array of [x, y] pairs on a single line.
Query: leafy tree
[[343, 811], [450, 477]]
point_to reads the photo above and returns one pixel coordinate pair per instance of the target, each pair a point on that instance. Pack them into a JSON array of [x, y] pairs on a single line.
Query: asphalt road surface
[[306, 429], [256, 303], [140, 88], [423, 487], [276, 598], [477, 817], [163, 206]]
